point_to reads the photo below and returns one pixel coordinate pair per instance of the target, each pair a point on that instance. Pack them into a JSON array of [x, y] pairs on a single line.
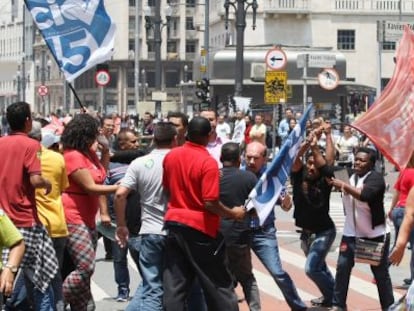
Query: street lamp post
[[157, 24], [22, 80], [241, 7]]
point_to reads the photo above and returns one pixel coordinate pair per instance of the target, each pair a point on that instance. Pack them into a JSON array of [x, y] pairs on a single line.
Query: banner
[[79, 33], [267, 190], [389, 123]]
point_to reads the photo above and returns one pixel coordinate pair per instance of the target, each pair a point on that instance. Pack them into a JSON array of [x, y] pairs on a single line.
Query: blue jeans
[[316, 247], [120, 266], [133, 247], [397, 215], [264, 244], [344, 268], [44, 301], [149, 294]]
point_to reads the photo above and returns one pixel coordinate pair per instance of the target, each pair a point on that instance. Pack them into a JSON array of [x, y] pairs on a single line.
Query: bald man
[[264, 241]]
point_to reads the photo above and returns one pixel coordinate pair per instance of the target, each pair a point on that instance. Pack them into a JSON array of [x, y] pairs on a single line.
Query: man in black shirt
[[311, 194], [235, 186]]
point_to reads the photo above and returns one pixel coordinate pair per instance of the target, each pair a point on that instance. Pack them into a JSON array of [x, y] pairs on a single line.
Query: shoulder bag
[[366, 250]]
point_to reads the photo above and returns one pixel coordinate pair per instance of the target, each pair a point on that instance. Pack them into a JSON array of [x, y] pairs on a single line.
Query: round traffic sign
[[328, 79], [276, 59], [102, 78], [42, 90]]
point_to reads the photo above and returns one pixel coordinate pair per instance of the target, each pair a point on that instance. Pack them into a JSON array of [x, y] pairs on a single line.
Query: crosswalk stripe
[[98, 293]]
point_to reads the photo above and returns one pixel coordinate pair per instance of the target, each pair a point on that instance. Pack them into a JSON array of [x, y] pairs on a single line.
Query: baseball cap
[[36, 130], [49, 138]]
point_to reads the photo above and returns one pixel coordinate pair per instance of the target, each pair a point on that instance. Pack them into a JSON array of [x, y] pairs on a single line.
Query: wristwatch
[[12, 268]]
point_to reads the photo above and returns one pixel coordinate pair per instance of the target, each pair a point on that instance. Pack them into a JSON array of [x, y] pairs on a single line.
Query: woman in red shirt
[[86, 174], [249, 125]]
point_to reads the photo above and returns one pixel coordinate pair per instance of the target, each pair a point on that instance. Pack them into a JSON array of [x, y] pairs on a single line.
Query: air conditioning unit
[[258, 71]]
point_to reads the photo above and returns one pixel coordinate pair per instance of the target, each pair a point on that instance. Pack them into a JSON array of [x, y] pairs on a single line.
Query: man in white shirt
[[239, 128], [223, 129]]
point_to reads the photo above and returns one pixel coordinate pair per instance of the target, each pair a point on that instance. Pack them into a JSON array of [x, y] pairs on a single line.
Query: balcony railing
[[286, 6], [355, 6], [375, 6]]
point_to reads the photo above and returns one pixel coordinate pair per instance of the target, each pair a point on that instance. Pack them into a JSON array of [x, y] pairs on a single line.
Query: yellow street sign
[[275, 86]]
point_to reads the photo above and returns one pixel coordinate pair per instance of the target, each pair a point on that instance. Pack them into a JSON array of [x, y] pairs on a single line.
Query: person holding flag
[[311, 194], [263, 198], [263, 238]]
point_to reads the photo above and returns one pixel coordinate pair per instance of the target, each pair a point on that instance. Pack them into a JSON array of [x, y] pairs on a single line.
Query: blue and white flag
[[79, 33], [267, 190]]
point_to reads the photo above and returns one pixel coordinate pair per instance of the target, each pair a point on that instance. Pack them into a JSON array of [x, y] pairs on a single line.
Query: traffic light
[[203, 90]]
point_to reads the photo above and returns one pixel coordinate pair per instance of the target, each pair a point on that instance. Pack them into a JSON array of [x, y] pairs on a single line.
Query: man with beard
[[311, 194]]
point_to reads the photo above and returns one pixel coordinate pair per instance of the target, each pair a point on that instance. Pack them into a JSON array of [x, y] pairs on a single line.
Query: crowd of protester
[[172, 192]]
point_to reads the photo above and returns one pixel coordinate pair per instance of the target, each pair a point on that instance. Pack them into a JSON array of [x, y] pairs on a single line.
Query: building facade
[[345, 27]]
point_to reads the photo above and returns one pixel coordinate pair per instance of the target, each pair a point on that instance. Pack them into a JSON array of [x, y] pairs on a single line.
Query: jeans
[[43, 301], [344, 268], [120, 266], [397, 215], [316, 247], [149, 294], [240, 264], [264, 244], [133, 247]]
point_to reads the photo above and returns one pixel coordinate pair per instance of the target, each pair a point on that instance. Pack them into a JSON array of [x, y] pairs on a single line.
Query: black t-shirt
[[311, 199], [235, 186]]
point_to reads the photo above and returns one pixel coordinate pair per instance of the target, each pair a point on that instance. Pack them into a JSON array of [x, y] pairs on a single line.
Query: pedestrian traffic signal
[[203, 90]]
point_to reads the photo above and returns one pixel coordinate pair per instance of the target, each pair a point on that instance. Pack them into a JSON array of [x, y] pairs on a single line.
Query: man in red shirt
[[20, 174], [194, 247]]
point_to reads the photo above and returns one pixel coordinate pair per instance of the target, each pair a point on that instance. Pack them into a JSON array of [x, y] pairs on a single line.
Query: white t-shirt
[[346, 148], [144, 175], [223, 130], [362, 215], [239, 129]]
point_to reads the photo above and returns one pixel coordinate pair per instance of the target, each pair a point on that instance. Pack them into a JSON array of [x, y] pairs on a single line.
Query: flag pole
[[82, 107]]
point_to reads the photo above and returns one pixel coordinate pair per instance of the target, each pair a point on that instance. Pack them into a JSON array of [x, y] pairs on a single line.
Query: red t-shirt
[[81, 207], [20, 158], [191, 176], [247, 134], [404, 184]]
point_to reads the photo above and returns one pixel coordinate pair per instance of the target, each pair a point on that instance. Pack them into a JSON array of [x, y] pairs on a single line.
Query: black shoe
[[407, 281], [320, 302]]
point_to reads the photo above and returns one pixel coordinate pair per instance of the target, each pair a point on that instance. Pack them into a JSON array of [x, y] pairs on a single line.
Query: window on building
[[152, 2], [130, 78], [150, 75], [190, 46], [114, 80], [131, 24], [190, 3], [131, 44], [151, 47], [189, 23], [346, 40], [131, 2], [172, 46], [388, 46], [172, 78], [384, 82]]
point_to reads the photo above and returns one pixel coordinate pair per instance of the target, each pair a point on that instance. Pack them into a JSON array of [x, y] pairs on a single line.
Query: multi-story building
[[345, 28]]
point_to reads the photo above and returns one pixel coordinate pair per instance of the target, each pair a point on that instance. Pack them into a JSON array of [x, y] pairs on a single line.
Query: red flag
[[389, 123]]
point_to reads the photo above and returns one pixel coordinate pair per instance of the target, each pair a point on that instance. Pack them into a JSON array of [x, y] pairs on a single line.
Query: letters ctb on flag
[[79, 33]]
